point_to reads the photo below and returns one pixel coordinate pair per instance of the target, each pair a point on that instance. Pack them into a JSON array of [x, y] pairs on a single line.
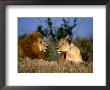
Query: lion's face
[[63, 45], [42, 45]]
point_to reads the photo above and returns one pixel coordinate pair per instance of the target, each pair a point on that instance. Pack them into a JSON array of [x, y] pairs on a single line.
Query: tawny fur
[[72, 51], [62, 59], [32, 46]]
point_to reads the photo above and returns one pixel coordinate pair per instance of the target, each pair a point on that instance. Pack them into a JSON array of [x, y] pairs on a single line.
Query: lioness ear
[[67, 37], [69, 41]]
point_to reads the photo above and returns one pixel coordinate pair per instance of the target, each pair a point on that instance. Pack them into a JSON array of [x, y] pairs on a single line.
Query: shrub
[[52, 52], [86, 47]]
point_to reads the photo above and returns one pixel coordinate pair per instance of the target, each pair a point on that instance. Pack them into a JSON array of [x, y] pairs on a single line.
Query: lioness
[[62, 59], [72, 51], [33, 46]]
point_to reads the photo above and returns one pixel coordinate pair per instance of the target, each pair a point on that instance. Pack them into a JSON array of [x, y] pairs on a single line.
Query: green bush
[[86, 47], [52, 55]]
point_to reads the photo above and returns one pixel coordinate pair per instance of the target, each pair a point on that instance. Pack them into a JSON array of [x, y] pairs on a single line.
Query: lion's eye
[[40, 41]]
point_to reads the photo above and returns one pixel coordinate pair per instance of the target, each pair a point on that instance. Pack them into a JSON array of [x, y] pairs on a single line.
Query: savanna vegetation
[[28, 65]]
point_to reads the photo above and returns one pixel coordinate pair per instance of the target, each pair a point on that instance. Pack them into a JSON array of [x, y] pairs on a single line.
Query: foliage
[[43, 32], [62, 31], [28, 65], [52, 55], [86, 47]]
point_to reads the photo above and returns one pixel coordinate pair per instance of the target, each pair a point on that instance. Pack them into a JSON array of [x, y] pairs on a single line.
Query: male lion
[[72, 51], [33, 46]]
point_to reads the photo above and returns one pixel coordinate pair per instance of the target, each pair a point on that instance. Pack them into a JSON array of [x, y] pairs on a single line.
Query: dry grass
[[27, 65]]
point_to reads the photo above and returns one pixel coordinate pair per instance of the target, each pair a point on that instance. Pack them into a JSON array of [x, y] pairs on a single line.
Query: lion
[[33, 46], [73, 54]]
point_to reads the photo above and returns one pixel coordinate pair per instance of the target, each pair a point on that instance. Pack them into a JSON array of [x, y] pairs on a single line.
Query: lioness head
[[64, 45]]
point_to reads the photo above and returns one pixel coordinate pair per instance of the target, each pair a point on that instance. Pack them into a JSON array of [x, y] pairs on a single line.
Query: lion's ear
[[44, 38]]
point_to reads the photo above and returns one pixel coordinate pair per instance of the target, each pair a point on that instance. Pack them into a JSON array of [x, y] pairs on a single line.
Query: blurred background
[[79, 29]]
